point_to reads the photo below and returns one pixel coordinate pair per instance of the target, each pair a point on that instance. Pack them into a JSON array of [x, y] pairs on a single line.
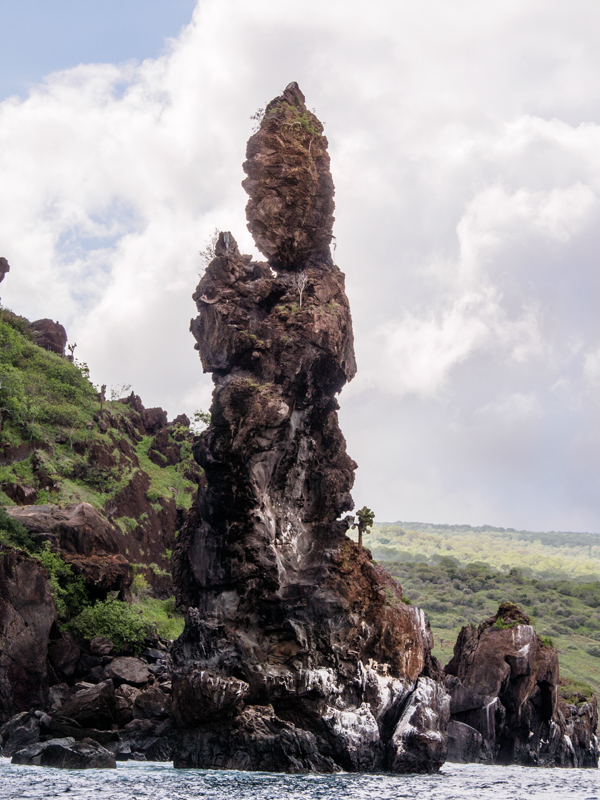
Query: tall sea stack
[[299, 653]]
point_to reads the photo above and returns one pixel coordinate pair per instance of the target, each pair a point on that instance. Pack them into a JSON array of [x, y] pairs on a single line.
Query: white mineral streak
[[355, 728], [522, 637], [421, 621], [489, 719], [428, 703], [381, 689], [322, 680]]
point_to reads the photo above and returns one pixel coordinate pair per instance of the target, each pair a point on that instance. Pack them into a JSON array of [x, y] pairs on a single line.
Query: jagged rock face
[[504, 686], [290, 211], [299, 653], [27, 615], [4, 268]]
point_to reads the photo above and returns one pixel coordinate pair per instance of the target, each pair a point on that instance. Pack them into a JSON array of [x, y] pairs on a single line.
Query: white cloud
[[465, 143]]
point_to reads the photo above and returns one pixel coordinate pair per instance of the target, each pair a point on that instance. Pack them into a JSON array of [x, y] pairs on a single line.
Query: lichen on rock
[[298, 651]]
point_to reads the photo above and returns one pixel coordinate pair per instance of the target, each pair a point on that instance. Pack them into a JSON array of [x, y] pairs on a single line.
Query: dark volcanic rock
[[27, 615], [290, 211], [21, 493], [128, 670], [4, 268], [86, 540], [49, 335], [66, 754], [101, 646], [64, 654], [91, 707], [298, 652], [146, 740], [152, 703], [465, 744], [20, 731], [504, 685]]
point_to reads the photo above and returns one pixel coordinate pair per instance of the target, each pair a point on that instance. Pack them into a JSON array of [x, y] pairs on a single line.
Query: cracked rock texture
[[298, 653], [504, 686]]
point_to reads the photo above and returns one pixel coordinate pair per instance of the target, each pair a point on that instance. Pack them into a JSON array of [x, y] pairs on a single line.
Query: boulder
[[91, 707], [4, 268], [101, 646], [57, 695], [465, 744], [152, 703], [146, 740], [20, 731], [128, 669], [125, 696], [21, 494], [64, 654], [66, 754]]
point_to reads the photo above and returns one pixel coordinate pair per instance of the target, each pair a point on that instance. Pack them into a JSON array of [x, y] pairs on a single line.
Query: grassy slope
[[460, 575], [47, 409], [49, 403]]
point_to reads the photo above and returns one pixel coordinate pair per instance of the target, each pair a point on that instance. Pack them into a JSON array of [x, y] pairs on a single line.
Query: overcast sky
[[465, 144]]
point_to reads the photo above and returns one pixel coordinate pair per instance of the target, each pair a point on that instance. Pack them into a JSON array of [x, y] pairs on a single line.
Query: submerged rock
[[298, 652], [504, 686]]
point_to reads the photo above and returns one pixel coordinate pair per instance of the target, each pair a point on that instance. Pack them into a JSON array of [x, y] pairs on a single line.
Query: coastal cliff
[[298, 653]]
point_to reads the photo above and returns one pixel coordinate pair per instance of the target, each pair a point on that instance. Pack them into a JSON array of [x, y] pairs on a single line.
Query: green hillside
[[62, 442], [459, 575], [57, 439]]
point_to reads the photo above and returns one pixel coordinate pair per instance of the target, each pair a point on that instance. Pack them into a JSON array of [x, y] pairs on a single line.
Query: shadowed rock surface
[[505, 705], [298, 653], [26, 617]]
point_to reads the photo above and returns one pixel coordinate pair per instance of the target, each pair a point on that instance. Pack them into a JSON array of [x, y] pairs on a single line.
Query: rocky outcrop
[[299, 652], [27, 615], [121, 703], [86, 540], [504, 686], [50, 335]]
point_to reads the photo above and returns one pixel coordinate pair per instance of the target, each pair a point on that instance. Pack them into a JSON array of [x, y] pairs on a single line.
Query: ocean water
[[135, 781]]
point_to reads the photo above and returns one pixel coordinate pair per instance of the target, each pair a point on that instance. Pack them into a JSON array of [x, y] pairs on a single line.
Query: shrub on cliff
[[14, 533], [68, 590], [118, 621]]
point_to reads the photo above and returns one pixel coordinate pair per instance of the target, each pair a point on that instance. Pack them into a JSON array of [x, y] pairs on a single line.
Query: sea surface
[[138, 781]]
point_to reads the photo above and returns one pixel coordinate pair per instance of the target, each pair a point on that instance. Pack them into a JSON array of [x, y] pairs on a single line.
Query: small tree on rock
[[364, 520], [299, 281]]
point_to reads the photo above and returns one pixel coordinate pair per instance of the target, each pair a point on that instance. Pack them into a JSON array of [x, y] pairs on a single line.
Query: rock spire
[[298, 652]]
